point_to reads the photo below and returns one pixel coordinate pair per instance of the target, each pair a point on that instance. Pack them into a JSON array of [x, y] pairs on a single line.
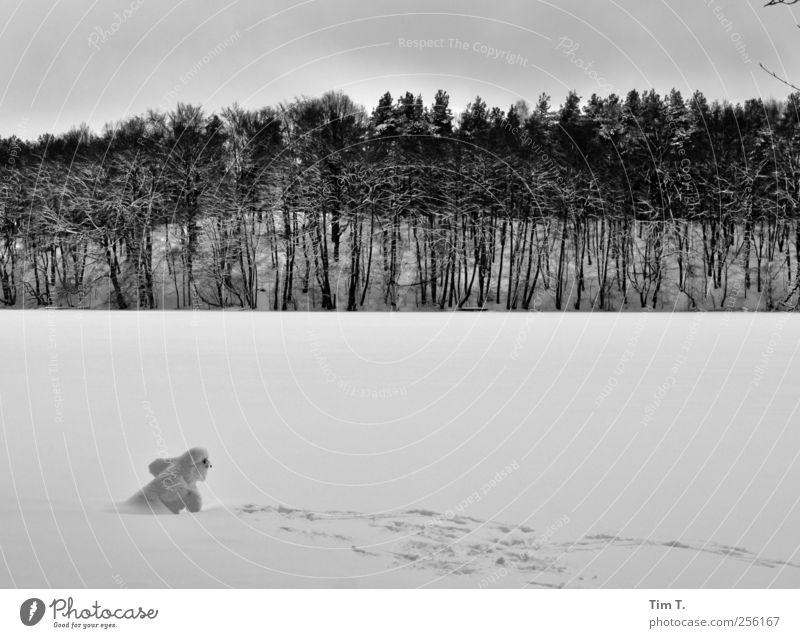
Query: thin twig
[[779, 78]]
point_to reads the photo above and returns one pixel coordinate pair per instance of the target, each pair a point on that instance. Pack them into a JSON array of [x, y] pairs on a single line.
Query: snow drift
[[474, 450]]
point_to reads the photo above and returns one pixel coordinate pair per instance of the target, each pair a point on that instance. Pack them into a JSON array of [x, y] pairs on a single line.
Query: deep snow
[[466, 449]]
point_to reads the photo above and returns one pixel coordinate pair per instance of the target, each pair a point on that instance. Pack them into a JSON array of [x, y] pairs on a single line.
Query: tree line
[[644, 201]]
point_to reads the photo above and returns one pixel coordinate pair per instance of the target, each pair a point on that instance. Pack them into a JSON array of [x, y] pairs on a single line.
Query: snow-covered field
[[459, 449]]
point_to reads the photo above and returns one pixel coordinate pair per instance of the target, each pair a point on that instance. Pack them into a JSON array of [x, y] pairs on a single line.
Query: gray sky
[[70, 61]]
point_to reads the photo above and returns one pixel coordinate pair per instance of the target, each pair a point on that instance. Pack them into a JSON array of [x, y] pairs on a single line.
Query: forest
[[646, 201]]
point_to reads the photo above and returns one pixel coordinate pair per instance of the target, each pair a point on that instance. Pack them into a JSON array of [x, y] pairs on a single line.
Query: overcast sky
[[70, 61]]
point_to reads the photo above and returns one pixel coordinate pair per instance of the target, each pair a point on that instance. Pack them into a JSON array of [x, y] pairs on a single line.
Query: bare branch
[[779, 78], [772, 3]]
